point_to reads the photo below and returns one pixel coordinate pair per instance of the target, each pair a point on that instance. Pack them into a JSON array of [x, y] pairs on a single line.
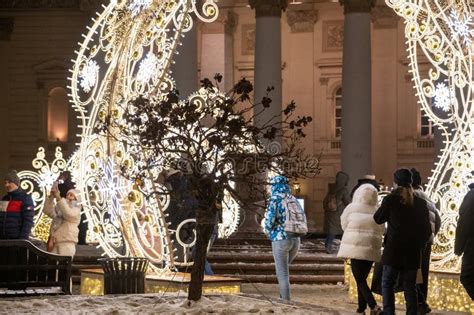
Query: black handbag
[[376, 286]]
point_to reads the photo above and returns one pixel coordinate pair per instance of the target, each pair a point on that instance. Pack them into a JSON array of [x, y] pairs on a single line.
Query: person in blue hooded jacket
[[284, 246]]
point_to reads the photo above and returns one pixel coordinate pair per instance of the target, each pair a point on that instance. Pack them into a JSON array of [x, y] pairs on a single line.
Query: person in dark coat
[[435, 222], [464, 242], [334, 203], [366, 179], [408, 231], [17, 211]]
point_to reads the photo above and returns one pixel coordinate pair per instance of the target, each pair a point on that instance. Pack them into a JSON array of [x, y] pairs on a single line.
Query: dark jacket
[[182, 204], [408, 230], [435, 218], [464, 242], [209, 201], [332, 219], [17, 221]]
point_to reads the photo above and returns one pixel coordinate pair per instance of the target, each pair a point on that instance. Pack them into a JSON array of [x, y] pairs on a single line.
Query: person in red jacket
[[17, 210]]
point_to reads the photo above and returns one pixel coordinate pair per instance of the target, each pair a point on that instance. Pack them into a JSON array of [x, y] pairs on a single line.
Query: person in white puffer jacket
[[362, 242], [66, 215]]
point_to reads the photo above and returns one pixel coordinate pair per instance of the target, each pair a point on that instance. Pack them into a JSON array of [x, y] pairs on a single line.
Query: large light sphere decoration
[[441, 31], [127, 52]]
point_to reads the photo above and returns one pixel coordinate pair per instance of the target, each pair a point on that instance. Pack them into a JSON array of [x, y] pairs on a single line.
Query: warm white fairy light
[[38, 183], [138, 5], [113, 185], [133, 41], [441, 31]]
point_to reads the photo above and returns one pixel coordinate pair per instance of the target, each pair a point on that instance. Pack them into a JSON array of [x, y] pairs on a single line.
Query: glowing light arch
[[442, 32], [127, 52]]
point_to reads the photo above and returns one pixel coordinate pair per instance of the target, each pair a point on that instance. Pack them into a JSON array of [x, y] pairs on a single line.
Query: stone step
[[267, 268], [236, 257], [307, 279], [306, 249]]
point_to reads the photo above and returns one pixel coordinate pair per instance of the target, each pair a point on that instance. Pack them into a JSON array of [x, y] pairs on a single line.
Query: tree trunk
[[203, 234]]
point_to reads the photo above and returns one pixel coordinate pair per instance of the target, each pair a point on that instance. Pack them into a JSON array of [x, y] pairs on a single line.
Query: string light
[[132, 42], [38, 184], [442, 32]]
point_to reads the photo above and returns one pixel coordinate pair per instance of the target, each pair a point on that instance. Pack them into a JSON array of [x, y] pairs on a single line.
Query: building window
[[426, 127], [58, 115], [338, 113]]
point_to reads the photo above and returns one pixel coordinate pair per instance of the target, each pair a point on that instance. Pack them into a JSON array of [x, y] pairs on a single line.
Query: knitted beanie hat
[[403, 177], [12, 177]]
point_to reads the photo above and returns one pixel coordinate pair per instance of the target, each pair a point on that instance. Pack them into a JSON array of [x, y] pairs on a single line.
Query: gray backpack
[[295, 223]]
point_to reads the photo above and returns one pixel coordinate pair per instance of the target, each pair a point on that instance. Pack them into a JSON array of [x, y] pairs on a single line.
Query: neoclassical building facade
[[344, 65]]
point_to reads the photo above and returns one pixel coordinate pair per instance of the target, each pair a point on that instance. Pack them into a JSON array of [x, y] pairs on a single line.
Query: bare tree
[[211, 138]]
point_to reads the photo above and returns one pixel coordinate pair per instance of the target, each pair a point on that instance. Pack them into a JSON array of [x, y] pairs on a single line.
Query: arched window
[[338, 113], [58, 115]]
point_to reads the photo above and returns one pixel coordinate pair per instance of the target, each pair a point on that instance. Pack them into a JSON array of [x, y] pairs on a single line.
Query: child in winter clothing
[[66, 215], [284, 246], [362, 242]]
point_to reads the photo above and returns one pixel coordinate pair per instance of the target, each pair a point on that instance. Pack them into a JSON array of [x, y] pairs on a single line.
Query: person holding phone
[[66, 215]]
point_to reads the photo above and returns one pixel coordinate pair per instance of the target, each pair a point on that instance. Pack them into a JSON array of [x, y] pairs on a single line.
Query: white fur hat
[[76, 193]]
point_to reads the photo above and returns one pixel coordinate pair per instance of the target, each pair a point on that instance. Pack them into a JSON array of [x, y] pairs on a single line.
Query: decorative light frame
[[441, 31], [38, 184], [127, 52]]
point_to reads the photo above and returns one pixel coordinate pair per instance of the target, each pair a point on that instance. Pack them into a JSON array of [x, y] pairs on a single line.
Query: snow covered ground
[[153, 304], [255, 299]]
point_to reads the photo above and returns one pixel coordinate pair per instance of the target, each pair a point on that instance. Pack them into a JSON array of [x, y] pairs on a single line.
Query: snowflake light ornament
[[462, 27], [114, 187], [88, 76], [138, 5], [147, 68], [444, 97]]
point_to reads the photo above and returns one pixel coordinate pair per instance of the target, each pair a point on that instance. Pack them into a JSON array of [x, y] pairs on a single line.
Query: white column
[[267, 73], [268, 54], [356, 90]]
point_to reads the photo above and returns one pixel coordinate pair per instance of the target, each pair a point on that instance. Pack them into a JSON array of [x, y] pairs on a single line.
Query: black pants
[[467, 280], [422, 288], [82, 230], [360, 270]]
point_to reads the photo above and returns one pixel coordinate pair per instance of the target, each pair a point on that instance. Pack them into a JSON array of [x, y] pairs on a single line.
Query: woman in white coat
[[362, 242], [66, 215]]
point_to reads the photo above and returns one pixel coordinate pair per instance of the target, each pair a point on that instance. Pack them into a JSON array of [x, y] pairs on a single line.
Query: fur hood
[[362, 238]]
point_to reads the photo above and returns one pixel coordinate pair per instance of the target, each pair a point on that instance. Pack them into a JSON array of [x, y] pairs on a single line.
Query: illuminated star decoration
[[88, 76], [444, 97], [47, 179], [114, 189], [147, 68], [461, 27], [138, 5]]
